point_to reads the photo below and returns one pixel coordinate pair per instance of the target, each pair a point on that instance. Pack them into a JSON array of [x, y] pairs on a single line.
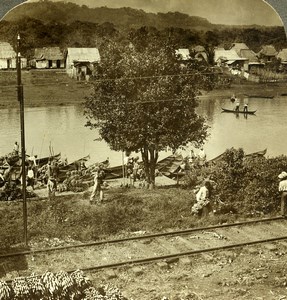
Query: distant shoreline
[[47, 88]]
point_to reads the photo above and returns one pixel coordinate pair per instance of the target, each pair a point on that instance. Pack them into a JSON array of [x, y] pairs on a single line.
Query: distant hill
[[47, 11]]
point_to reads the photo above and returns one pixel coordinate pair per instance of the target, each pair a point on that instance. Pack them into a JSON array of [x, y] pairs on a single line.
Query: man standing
[[237, 105], [51, 187], [98, 181], [30, 178], [283, 189]]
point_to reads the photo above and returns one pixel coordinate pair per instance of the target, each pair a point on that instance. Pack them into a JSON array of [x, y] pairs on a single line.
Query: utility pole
[[23, 151]]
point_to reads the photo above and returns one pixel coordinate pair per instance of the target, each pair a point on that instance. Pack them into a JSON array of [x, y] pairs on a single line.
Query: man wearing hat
[[98, 181], [283, 189]]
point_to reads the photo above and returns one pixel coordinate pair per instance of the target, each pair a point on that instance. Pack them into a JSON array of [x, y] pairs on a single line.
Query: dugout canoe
[[44, 160], [249, 112], [249, 155]]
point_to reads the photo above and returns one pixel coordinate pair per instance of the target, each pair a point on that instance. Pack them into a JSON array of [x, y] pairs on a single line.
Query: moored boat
[[250, 112]]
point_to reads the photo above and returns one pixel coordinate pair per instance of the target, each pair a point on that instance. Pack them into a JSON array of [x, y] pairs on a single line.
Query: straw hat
[[282, 175]]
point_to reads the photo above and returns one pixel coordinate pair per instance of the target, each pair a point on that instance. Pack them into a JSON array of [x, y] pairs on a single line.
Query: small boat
[[250, 112], [256, 154], [44, 160], [249, 155], [260, 96]]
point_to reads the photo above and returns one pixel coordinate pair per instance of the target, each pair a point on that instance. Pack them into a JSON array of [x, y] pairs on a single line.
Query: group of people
[[237, 104]]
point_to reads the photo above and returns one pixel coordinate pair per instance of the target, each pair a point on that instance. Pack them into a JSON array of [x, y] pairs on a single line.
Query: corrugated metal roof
[[49, 53], [228, 55], [84, 54], [6, 50], [282, 55]]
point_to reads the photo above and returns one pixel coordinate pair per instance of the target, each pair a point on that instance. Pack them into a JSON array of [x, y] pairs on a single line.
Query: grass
[[124, 211]]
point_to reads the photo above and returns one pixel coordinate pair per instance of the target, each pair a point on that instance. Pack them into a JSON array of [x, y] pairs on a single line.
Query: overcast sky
[[235, 12]]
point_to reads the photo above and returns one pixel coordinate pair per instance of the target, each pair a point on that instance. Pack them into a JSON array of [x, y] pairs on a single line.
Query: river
[[61, 129]]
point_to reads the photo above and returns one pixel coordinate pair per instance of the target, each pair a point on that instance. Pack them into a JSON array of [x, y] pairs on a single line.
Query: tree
[[145, 100]]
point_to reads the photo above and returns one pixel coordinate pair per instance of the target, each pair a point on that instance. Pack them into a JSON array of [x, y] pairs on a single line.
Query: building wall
[[11, 63]]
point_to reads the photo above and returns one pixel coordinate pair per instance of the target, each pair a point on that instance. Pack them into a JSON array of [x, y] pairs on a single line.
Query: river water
[[61, 129]]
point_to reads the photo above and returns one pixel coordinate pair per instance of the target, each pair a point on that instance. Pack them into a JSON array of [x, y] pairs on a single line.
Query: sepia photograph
[[142, 152]]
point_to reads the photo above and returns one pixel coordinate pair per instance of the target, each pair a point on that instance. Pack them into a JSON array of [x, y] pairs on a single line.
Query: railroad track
[[154, 247]]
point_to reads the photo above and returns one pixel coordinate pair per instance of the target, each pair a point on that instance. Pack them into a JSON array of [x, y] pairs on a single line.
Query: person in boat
[[237, 105], [97, 189], [283, 189], [233, 98], [245, 107]]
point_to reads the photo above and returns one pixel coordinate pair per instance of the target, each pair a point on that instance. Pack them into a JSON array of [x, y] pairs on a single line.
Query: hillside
[[47, 11]]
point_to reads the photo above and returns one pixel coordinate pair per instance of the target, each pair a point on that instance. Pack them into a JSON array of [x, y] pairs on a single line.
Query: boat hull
[[249, 112]]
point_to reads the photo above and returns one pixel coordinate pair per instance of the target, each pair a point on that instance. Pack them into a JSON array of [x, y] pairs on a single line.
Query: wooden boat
[[256, 154], [250, 155], [44, 160], [250, 112], [75, 164]]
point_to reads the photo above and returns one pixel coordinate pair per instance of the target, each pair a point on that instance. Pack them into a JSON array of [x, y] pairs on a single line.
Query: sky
[[230, 12]]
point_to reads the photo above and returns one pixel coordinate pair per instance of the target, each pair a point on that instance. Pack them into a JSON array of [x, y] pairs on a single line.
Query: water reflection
[[63, 128]]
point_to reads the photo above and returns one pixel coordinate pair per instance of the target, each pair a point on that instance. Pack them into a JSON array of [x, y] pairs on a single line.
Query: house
[[81, 62], [200, 53], [228, 58], [48, 58], [282, 56], [183, 54], [8, 57], [267, 53], [252, 62]]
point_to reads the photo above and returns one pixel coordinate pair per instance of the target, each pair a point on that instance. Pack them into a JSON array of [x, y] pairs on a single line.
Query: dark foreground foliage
[[245, 185]]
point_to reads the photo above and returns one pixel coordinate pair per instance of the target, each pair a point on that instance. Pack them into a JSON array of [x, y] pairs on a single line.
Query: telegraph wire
[[116, 79]]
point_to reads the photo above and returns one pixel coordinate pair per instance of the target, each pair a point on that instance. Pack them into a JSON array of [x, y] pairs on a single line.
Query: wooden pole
[[23, 151]]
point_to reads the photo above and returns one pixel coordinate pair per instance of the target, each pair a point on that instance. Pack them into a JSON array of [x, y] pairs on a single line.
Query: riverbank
[[55, 88], [42, 88]]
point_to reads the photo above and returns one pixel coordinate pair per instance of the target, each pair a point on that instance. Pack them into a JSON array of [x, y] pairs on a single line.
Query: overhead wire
[[115, 79]]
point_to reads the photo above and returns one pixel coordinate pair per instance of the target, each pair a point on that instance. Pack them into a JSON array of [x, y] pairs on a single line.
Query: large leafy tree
[[144, 100]]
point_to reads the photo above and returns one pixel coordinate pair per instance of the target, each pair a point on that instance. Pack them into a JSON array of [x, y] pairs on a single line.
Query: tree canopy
[[144, 100]]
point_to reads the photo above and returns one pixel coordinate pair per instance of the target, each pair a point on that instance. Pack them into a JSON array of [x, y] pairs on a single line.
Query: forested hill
[[66, 12]]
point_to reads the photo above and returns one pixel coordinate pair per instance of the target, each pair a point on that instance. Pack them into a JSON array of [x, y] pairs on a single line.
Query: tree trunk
[[149, 157]]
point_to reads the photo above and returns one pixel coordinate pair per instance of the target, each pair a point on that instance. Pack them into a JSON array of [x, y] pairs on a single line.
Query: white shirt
[[201, 154], [283, 186], [202, 194], [30, 174]]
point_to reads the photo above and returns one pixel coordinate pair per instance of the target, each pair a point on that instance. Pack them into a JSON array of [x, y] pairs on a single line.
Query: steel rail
[[134, 238], [180, 254]]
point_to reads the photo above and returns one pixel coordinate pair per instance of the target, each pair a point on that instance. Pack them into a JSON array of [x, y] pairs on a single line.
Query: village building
[[48, 58], [252, 63], [8, 57], [199, 53], [267, 53], [81, 62], [183, 54], [230, 59], [282, 56]]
